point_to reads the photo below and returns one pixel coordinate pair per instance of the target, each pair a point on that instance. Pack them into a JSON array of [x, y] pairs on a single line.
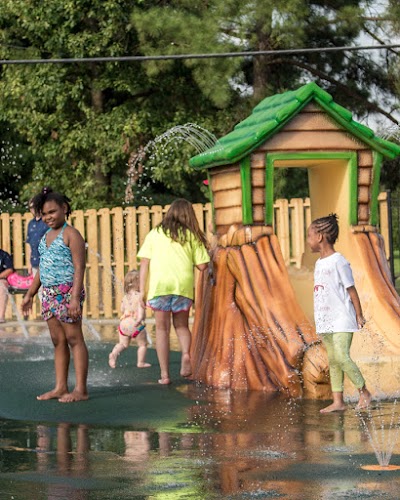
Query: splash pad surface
[[137, 439]]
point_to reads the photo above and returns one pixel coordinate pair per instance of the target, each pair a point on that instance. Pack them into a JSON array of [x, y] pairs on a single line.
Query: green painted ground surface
[[135, 439]]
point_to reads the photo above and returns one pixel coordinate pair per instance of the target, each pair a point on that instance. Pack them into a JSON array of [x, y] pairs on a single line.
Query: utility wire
[[196, 56]]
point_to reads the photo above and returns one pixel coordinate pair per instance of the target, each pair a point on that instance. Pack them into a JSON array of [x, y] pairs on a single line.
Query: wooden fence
[[113, 237]]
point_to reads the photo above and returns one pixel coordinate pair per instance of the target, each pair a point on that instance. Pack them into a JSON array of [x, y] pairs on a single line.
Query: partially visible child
[[168, 255], [61, 272], [337, 310], [129, 328], [6, 268], [36, 229]]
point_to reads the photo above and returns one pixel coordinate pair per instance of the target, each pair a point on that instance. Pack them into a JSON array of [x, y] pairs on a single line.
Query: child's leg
[[61, 360], [74, 335], [343, 342], [163, 326], [142, 350], [118, 348], [181, 325], [64, 448], [336, 375]]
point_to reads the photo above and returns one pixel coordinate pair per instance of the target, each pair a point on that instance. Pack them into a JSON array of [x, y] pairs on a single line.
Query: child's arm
[[143, 274], [202, 267], [357, 306], [28, 258], [27, 301], [77, 246], [141, 314]]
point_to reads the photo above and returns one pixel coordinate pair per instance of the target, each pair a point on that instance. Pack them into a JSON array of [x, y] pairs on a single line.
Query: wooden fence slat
[[297, 230], [131, 237], [144, 226], [77, 220], [26, 218], [157, 214], [6, 232], [17, 240], [199, 212], [282, 227], [106, 271], [92, 283], [113, 238], [118, 254]]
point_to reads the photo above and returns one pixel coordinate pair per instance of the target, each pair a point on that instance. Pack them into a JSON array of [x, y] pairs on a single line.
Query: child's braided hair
[[328, 226], [47, 194]]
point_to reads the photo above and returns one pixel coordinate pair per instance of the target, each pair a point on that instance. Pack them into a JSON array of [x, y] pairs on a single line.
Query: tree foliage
[[85, 124]]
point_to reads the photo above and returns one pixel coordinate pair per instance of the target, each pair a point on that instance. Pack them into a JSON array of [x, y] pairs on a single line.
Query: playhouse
[[256, 327]]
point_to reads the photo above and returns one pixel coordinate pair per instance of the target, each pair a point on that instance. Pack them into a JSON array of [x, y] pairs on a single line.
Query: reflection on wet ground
[[137, 439]]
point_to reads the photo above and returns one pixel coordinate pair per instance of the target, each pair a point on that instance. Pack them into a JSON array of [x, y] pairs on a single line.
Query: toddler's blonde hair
[[131, 281]]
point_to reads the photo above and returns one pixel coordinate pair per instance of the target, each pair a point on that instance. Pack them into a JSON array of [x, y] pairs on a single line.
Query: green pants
[[338, 349]]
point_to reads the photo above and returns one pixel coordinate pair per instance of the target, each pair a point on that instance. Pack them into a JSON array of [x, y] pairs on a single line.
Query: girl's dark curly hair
[[47, 194], [328, 226]]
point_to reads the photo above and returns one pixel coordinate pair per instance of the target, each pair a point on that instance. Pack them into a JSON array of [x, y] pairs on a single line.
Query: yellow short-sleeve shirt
[[171, 264]]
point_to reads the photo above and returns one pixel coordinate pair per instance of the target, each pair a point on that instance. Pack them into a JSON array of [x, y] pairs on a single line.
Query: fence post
[[282, 227]]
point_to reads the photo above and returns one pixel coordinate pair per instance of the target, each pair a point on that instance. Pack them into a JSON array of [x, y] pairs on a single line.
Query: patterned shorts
[[170, 303], [55, 302]]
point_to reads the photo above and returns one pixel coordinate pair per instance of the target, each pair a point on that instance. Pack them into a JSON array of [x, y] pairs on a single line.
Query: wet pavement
[[135, 439]]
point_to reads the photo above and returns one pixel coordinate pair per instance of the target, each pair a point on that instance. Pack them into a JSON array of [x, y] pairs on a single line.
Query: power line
[[196, 56]]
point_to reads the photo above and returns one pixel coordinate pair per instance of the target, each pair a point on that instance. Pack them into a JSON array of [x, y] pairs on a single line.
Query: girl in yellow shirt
[[167, 258]]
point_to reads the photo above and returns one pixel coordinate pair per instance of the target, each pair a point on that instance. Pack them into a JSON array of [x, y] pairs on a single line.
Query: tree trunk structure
[[250, 333]]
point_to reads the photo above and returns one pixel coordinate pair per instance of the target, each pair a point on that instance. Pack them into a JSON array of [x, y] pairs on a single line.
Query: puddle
[[137, 439]]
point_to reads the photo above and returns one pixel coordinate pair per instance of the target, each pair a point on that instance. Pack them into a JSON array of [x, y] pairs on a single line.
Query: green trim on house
[[359, 131], [245, 177], [272, 114], [376, 174], [270, 159], [353, 174]]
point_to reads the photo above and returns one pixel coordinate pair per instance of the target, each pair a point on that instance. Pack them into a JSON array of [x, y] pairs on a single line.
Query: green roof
[[271, 114]]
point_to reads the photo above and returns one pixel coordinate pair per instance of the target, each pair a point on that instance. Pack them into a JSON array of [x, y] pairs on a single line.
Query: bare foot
[[164, 381], [112, 360], [365, 400], [143, 365], [186, 366], [333, 407], [54, 394], [74, 396]]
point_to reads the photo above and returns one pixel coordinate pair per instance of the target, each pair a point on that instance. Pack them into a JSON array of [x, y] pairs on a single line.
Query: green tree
[[229, 25], [86, 123], [83, 121]]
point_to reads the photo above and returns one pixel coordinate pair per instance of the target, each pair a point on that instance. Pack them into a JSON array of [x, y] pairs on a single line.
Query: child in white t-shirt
[[128, 326], [337, 310]]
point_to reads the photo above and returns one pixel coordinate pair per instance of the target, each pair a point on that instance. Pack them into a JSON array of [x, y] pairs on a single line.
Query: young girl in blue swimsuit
[[61, 273]]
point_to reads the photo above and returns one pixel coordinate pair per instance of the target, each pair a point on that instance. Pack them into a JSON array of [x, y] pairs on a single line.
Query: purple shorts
[[170, 303], [55, 302]]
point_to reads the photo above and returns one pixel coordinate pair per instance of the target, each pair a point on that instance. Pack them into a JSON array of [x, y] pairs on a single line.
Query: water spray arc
[[196, 136]]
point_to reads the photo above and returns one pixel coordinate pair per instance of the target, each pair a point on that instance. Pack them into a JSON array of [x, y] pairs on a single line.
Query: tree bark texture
[[250, 333]]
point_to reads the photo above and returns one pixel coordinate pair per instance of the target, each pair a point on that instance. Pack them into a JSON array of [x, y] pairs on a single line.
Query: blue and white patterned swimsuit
[[56, 266], [57, 276]]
